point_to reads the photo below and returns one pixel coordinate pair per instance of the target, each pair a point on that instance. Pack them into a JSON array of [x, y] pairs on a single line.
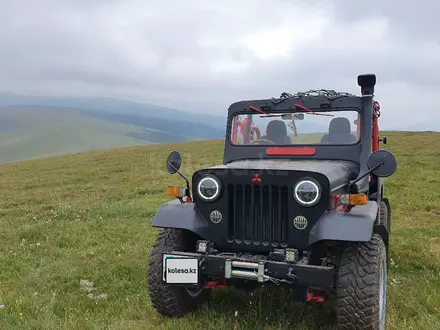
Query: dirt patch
[[434, 246]]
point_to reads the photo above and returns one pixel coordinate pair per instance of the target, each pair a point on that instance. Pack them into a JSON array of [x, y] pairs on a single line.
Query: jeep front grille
[[258, 214]]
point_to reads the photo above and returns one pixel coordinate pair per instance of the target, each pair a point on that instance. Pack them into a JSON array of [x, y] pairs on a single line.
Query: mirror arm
[[183, 177], [359, 178]]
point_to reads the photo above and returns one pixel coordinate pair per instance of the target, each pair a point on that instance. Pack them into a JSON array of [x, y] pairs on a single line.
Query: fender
[[181, 216], [355, 226]]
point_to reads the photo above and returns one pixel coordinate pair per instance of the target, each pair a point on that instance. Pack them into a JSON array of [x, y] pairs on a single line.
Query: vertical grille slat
[[242, 226], [270, 213], [231, 212], [285, 215], [259, 214], [279, 216], [252, 218]]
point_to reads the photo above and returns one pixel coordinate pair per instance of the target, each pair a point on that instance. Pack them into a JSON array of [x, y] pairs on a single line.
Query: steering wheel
[[260, 140]]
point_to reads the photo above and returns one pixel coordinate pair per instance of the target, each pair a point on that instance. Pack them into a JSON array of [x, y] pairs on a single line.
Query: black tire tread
[[357, 304], [171, 301], [384, 219]]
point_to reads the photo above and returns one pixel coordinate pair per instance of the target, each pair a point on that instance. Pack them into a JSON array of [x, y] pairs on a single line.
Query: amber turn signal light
[[358, 199], [175, 191], [354, 199]]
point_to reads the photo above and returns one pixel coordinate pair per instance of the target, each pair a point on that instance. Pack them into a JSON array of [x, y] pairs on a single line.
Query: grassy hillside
[[32, 132], [88, 217]]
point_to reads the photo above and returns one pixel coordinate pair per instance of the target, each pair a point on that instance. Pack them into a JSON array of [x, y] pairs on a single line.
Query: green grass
[[88, 216]]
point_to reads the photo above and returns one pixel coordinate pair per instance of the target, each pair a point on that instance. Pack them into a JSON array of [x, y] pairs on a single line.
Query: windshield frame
[[357, 153], [250, 113]]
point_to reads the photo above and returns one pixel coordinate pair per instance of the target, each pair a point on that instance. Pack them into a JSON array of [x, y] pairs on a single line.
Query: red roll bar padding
[[375, 135]]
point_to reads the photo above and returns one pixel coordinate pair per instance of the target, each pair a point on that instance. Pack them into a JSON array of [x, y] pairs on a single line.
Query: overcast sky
[[203, 55]]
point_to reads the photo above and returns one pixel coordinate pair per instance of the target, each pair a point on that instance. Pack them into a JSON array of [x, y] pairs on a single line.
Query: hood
[[337, 172]]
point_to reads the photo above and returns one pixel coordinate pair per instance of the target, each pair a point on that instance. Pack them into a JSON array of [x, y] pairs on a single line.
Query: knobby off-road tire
[[384, 218], [171, 301], [361, 286]]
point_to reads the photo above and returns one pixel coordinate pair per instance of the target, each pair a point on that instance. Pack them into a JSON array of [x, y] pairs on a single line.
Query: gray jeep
[[305, 210]]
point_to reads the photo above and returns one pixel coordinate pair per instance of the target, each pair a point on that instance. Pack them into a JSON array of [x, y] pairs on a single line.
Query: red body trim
[[336, 198], [304, 151], [235, 131], [375, 135], [253, 130], [315, 296], [215, 285], [257, 110]]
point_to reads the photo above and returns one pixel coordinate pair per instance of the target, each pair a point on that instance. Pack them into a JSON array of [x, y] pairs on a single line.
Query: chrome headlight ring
[[208, 188], [307, 192]]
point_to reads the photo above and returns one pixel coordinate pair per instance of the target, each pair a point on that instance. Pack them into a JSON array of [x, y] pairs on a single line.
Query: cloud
[[204, 55]]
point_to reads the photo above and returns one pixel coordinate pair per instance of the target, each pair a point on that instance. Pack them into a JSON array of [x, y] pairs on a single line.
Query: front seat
[[339, 132], [276, 131]]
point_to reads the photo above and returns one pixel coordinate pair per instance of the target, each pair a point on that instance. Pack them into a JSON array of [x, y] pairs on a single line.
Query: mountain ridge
[[110, 105], [32, 126]]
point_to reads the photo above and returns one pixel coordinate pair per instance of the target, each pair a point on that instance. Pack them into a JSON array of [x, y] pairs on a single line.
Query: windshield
[[304, 127]]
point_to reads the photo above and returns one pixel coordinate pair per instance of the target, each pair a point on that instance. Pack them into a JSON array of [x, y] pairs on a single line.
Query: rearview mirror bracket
[[174, 161], [381, 163]]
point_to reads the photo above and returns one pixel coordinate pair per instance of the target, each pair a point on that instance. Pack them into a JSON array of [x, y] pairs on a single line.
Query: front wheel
[[361, 286], [174, 301]]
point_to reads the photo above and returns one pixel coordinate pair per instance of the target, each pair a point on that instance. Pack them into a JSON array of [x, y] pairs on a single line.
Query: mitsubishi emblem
[[256, 178]]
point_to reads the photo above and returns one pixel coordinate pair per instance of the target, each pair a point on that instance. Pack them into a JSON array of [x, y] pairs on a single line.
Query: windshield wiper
[[299, 106], [262, 112]]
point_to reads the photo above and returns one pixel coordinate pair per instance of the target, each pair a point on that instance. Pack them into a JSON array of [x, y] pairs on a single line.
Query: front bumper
[[221, 267]]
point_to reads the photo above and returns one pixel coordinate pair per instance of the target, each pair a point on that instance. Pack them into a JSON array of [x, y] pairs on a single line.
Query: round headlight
[[307, 192], [208, 188]]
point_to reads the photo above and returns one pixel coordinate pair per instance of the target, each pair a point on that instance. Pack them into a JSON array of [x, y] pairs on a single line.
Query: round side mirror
[[174, 161], [383, 162]]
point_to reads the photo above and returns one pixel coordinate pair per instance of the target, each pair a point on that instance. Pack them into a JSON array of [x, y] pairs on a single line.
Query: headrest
[[276, 128], [339, 125]]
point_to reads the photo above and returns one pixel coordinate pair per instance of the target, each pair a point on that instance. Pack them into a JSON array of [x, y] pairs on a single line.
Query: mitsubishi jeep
[[298, 202]]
